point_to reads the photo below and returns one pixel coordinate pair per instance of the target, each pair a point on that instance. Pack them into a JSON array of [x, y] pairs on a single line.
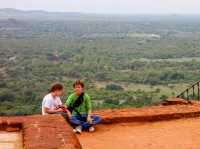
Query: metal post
[[198, 91], [193, 94]]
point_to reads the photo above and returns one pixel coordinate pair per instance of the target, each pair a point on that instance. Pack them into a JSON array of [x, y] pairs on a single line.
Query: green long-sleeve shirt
[[84, 107]]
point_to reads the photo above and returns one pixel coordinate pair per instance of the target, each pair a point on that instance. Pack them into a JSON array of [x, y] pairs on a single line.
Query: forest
[[125, 61]]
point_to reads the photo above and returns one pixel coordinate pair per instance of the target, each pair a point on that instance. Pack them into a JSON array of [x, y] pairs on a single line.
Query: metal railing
[[191, 93]]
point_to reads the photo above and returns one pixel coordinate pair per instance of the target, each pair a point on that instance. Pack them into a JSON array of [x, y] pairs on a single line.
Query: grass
[[169, 89]]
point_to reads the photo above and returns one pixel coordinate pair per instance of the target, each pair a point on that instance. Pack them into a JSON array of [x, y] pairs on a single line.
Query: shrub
[[114, 87]]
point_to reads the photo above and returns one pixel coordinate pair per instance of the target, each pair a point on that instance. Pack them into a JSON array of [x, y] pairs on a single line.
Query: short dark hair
[[56, 87], [78, 82]]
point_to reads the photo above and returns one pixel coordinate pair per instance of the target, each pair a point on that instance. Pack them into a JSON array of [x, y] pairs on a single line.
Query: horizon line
[[101, 13]]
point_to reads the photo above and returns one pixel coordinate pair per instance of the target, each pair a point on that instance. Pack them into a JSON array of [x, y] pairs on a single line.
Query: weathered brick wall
[[42, 132]]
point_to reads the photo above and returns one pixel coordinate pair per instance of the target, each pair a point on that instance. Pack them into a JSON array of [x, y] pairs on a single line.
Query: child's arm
[[64, 107], [89, 118], [89, 107], [52, 111]]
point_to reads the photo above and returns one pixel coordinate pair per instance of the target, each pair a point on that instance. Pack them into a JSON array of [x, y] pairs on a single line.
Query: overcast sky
[[108, 6]]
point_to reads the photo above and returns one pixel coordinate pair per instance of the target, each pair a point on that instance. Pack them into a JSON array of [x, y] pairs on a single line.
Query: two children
[[77, 108]]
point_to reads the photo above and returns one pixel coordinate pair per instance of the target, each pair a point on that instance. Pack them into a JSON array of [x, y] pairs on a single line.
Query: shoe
[[74, 130], [78, 129], [91, 129]]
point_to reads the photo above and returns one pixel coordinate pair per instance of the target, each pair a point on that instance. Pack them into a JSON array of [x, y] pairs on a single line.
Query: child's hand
[[63, 106], [89, 119], [59, 110]]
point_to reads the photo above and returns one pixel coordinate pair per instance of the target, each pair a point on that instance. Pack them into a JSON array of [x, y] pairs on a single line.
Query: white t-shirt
[[50, 102]]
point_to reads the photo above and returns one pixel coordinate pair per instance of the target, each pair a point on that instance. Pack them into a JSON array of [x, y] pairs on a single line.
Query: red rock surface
[[53, 132], [175, 101], [154, 113], [174, 134]]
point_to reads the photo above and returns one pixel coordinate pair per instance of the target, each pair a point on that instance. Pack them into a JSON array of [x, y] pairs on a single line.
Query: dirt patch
[[11, 140], [181, 134]]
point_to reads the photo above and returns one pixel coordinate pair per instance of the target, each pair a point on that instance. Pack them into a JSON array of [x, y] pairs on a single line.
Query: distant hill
[[7, 13], [37, 14]]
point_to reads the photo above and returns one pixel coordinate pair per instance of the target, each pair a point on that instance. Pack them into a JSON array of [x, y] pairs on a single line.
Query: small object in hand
[[64, 109]]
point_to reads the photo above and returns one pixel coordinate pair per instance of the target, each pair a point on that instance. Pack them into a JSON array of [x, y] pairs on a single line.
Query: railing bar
[[197, 84], [193, 85], [193, 92], [198, 91]]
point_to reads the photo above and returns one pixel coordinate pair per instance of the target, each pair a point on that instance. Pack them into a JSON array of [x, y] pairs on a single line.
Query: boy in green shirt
[[80, 106]]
